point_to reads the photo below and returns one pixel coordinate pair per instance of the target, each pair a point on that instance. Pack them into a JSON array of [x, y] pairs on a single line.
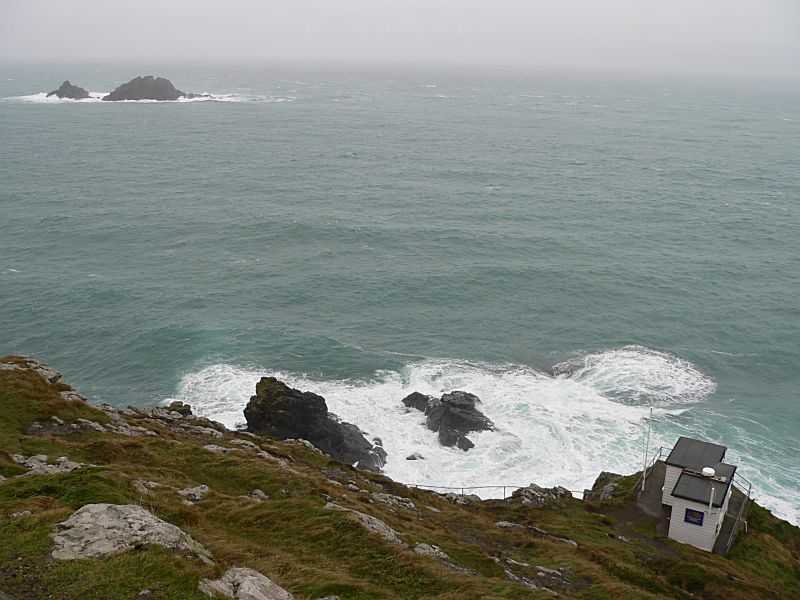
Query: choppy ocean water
[[573, 249]]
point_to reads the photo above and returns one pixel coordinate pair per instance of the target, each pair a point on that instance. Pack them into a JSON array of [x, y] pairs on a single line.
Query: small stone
[[93, 425], [144, 595], [194, 494], [259, 495], [244, 584], [245, 444], [395, 501], [56, 420], [217, 449], [415, 456], [24, 513]]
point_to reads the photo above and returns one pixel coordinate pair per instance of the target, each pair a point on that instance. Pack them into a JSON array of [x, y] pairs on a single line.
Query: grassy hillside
[[314, 551]]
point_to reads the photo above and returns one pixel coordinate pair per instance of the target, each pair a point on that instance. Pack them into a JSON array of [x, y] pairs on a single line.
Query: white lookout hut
[[697, 485]]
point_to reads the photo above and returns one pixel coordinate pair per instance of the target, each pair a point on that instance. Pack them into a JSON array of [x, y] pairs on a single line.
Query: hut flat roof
[[694, 454], [698, 488]]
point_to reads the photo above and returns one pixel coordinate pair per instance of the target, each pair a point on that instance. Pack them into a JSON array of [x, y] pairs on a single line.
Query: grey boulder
[[100, 530], [241, 583]]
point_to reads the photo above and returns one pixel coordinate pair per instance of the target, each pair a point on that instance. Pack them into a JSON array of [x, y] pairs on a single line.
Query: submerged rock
[[67, 90], [453, 416], [100, 530], [286, 413], [145, 88]]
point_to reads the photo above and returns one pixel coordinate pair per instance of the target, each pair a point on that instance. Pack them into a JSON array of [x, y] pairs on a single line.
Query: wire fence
[[504, 490]]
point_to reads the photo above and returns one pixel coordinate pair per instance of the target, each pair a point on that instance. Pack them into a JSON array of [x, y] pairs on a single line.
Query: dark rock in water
[[67, 90], [415, 456], [453, 416], [180, 408], [286, 413], [451, 437], [146, 88], [417, 400]]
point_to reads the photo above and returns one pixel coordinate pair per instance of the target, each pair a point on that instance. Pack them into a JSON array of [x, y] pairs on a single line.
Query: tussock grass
[[314, 552]]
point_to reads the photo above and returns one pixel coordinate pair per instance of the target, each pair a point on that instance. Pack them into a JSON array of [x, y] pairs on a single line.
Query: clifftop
[[166, 504]]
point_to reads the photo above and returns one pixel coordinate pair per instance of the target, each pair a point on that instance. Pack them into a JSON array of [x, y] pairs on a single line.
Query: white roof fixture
[[709, 472]]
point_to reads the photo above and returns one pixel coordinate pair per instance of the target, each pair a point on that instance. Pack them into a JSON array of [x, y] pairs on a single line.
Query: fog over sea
[[574, 249]]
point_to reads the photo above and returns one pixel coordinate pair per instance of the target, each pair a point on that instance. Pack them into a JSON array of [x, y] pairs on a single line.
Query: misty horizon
[[724, 39]]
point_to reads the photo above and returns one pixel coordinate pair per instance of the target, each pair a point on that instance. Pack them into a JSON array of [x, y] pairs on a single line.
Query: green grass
[[314, 552]]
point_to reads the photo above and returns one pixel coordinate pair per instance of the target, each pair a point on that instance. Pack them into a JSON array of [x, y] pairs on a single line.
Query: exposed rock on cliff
[[537, 496], [241, 583], [453, 416], [146, 88], [99, 530], [604, 487], [67, 90], [286, 413]]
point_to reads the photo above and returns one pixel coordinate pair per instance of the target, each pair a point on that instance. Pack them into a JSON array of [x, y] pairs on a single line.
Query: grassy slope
[[314, 552]]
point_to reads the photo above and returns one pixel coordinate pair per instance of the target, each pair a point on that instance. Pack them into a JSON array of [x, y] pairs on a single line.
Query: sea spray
[[554, 430]]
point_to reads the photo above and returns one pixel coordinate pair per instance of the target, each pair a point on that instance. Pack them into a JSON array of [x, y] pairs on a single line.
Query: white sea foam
[[94, 97], [560, 429], [552, 430], [637, 375]]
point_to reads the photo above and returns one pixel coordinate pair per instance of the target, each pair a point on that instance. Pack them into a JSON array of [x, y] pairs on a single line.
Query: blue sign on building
[[695, 517]]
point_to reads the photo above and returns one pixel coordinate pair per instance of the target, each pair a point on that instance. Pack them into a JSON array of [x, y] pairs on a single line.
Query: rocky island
[[98, 501], [67, 90], [145, 88]]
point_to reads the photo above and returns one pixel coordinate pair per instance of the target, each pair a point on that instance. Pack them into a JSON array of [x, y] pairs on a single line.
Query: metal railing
[[742, 481], [649, 467], [463, 488]]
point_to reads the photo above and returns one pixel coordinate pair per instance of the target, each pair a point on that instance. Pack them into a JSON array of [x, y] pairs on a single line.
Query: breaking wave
[[558, 429], [94, 97]]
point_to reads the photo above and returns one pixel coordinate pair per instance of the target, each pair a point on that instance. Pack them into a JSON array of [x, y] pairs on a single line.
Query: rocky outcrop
[[145, 88], [536, 532], [195, 494], [67, 90], [370, 523], [437, 553], [536, 496], [241, 583], [604, 487], [286, 413], [100, 530], [453, 416], [38, 464]]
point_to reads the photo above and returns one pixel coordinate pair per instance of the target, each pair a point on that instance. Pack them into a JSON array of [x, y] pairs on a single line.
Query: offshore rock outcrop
[[453, 415], [286, 413], [145, 88], [67, 90]]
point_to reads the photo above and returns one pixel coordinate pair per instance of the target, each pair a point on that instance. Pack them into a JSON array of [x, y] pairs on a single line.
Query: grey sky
[[726, 37]]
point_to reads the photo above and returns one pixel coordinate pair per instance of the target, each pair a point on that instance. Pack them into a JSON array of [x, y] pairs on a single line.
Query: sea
[[607, 261]]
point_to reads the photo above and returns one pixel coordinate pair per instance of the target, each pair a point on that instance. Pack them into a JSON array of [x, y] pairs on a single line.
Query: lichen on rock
[[100, 530]]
